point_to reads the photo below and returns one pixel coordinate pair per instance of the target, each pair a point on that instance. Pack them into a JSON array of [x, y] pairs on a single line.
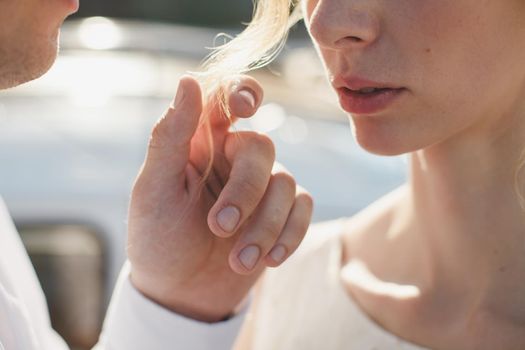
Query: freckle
[[428, 50], [502, 269]]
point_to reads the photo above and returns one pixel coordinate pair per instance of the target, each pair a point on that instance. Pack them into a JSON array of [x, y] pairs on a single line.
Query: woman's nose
[[342, 24]]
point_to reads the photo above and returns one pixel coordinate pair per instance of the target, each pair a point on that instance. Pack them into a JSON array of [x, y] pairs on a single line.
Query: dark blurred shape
[[68, 260], [210, 13]]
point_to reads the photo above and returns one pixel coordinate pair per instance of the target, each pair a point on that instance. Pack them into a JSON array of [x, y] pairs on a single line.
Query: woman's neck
[[464, 213]]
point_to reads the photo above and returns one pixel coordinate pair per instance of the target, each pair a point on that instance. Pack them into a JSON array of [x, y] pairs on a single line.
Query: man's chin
[[31, 66]]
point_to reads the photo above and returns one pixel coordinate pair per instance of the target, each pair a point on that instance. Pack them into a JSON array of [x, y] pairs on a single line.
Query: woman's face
[[450, 66], [28, 37]]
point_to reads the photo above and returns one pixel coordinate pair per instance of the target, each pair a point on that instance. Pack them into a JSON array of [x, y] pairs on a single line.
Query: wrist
[[201, 304]]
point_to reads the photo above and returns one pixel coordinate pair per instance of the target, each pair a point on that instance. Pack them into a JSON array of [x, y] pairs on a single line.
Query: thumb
[[169, 144]]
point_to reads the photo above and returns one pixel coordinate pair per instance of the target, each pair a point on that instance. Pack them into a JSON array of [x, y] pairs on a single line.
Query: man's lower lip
[[356, 103]]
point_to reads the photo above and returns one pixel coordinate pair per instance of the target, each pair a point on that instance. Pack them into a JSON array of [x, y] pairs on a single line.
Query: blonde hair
[[257, 46]]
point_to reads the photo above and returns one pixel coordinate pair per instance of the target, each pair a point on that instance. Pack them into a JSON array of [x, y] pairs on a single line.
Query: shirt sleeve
[[135, 322]]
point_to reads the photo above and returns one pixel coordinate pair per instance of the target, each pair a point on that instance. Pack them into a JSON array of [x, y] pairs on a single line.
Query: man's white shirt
[[132, 322]]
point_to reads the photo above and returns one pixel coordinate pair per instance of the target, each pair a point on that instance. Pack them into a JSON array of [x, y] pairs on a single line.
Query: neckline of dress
[[335, 266]]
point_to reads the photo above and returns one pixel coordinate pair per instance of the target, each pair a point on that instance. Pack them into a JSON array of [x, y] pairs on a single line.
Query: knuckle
[[279, 168], [305, 199], [262, 143], [271, 229], [273, 223], [249, 189], [285, 180], [159, 135]]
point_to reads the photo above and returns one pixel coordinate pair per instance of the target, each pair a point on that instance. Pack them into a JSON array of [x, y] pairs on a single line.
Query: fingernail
[[249, 256], [248, 97], [278, 253], [228, 218], [179, 97]]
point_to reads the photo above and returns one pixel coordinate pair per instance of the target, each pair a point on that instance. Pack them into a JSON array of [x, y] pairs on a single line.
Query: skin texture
[[442, 236], [454, 256], [440, 261], [459, 60], [182, 255], [29, 31]]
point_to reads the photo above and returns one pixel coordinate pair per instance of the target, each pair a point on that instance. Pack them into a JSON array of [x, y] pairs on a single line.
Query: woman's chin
[[380, 150], [381, 141]]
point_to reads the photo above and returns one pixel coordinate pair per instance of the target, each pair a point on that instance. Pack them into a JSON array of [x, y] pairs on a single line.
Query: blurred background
[[224, 13], [74, 139]]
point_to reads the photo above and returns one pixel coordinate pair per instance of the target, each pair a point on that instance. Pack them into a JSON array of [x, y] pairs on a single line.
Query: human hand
[[199, 249]]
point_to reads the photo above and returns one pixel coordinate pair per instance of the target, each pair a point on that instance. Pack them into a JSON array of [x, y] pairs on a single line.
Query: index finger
[[241, 96]]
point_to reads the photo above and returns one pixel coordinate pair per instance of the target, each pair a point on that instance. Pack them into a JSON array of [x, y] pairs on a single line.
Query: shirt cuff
[[135, 322]]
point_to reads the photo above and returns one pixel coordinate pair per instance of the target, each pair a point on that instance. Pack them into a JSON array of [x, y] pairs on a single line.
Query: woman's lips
[[356, 102]]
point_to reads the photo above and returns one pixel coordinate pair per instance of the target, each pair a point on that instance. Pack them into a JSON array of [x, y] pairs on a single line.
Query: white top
[[133, 321], [304, 304]]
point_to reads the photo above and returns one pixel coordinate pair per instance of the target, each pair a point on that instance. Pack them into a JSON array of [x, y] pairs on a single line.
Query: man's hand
[[199, 249]]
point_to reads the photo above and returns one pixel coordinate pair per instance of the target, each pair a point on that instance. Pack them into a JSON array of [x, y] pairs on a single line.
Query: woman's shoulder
[[370, 227]]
